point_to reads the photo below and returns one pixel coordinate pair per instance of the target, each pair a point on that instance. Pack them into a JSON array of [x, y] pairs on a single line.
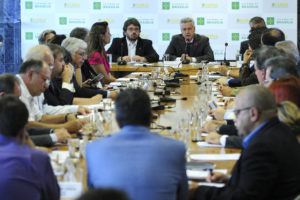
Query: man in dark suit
[[189, 45], [131, 47], [255, 22], [268, 167]]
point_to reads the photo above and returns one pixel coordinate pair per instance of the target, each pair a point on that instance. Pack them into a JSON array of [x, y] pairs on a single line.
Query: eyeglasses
[[133, 29], [237, 111], [82, 54], [44, 77]]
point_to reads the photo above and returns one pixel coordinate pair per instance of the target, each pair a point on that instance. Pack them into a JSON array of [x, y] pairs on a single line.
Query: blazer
[[56, 95], [244, 46], [143, 164], [267, 169], [200, 48], [40, 136], [247, 75], [144, 48]]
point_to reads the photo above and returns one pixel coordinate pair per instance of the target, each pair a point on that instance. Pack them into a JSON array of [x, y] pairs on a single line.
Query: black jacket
[[200, 48], [144, 48], [267, 169]]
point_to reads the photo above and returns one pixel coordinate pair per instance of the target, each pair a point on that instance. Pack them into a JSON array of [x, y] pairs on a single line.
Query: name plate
[[70, 189]]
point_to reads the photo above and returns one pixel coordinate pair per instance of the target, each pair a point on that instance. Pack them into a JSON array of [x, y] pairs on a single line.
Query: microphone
[[122, 62], [225, 61], [162, 128], [170, 100], [186, 61]]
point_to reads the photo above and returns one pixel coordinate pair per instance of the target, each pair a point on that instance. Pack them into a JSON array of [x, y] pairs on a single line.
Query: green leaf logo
[[235, 5], [200, 21], [28, 4], [29, 36], [270, 20], [63, 21], [166, 36], [235, 36], [97, 6], [166, 5]]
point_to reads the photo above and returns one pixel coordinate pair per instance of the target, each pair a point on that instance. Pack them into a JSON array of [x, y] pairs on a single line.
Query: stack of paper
[[210, 157]]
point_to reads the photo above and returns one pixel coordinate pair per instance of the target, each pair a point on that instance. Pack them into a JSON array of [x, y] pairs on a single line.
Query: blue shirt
[[252, 134], [145, 165], [25, 173]]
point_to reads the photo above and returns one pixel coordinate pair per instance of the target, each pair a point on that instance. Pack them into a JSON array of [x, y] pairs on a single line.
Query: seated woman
[[97, 57]]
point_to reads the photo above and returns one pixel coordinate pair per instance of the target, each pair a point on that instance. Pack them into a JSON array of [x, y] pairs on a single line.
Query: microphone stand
[[122, 62], [186, 61], [225, 61]]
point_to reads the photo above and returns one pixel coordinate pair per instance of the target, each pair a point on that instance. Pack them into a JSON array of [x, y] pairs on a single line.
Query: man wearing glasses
[[131, 47], [268, 167]]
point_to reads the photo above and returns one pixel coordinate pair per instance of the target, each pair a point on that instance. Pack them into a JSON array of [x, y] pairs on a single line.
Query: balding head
[[254, 105], [40, 52]]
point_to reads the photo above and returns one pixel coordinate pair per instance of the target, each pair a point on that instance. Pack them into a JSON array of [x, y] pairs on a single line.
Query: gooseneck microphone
[[225, 61], [121, 61], [186, 61]]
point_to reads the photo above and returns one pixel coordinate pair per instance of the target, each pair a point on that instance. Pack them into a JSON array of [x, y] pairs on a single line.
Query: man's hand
[[67, 74], [229, 103], [225, 90], [218, 113], [213, 138], [248, 56], [61, 134], [183, 56], [223, 70], [222, 81], [217, 177], [139, 59], [211, 125], [87, 84], [126, 58], [83, 110], [96, 99], [75, 125], [71, 117]]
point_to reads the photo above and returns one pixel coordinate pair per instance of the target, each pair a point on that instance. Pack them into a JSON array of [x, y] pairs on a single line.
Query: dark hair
[[67, 56], [264, 53], [42, 36], [56, 49], [281, 66], [133, 108], [79, 32], [96, 42], [104, 194], [36, 65], [13, 115], [57, 39], [130, 21], [7, 83], [271, 36], [254, 38], [257, 20]]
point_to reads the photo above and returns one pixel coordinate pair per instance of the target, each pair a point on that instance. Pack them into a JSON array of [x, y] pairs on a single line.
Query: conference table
[[168, 117]]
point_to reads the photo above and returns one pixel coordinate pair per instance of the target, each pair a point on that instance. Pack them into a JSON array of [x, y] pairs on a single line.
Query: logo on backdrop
[[97, 5], [63, 21], [270, 20], [29, 36], [235, 37], [200, 21], [166, 5], [28, 5], [235, 5], [166, 36]]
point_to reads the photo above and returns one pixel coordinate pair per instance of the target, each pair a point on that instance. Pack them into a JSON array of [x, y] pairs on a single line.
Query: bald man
[[268, 167]]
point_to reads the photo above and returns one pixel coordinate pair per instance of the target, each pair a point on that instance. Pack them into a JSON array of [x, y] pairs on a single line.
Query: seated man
[[131, 47], [34, 76], [25, 173], [9, 84], [189, 45], [271, 36], [145, 165], [268, 167]]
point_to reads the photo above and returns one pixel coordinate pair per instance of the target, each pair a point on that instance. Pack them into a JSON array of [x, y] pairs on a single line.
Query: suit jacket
[[145, 165], [56, 95], [200, 48], [247, 75], [243, 48], [144, 48], [40, 136], [267, 169]]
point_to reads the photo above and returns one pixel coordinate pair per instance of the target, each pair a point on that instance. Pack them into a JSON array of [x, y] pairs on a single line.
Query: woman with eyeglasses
[[97, 57]]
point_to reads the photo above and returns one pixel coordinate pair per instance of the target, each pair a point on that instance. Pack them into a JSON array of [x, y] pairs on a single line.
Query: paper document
[[202, 174], [126, 79], [205, 145], [209, 157], [219, 185]]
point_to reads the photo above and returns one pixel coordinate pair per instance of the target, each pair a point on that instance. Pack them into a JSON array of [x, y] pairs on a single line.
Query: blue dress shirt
[[252, 134]]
